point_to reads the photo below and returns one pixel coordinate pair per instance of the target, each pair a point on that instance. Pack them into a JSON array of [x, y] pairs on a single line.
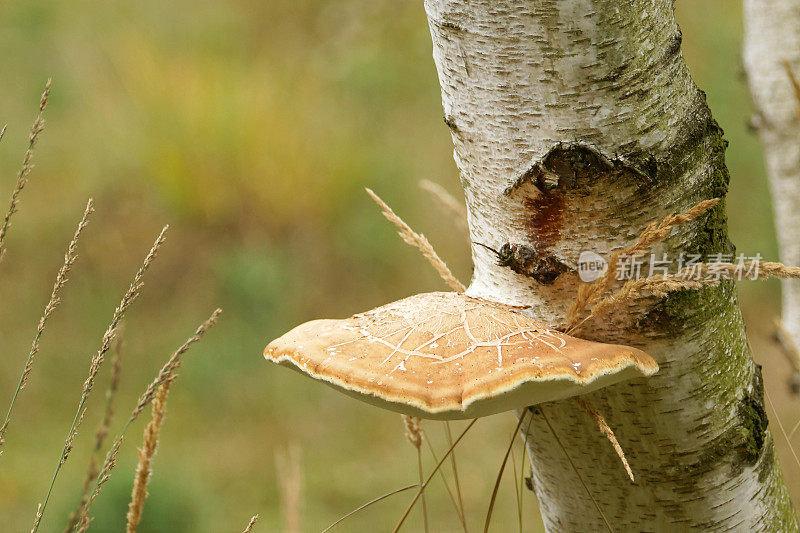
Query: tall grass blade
[[376, 500], [97, 361], [49, 309], [25, 169], [101, 433], [430, 476], [500, 475], [575, 468], [165, 375]]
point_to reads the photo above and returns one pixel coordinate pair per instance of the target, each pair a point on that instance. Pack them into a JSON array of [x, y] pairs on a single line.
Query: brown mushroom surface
[[446, 355]]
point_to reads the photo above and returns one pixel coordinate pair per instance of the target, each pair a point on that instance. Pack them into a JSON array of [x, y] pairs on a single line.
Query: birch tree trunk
[[772, 41], [575, 124]]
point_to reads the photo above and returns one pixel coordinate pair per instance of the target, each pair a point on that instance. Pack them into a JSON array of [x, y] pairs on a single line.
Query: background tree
[[575, 125], [772, 56]]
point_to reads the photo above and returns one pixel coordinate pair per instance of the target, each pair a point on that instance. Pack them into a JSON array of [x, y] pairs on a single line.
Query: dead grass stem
[[496, 488], [25, 169], [165, 375], [414, 435], [780, 427], [146, 454], [430, 476], [605, 429], [444, 480], [249, 527], [694, 277], [369, 503], [522, 480], [575, 469], [101, 433], [52, 304], [787, 345], [97, 361], [419, 241], [655, 232], [290, 483], [456, 479], [446, 202], [659, 285], [795, 85], [516, 482], [413, 430]]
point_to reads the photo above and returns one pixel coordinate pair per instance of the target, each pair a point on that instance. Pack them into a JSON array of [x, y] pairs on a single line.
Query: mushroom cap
[[445, 355]]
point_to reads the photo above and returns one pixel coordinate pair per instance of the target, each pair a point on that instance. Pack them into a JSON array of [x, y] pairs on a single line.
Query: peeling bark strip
[[772, 43], [588, 105]]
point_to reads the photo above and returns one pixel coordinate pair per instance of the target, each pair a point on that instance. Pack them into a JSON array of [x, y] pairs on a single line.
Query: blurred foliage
[[252, 127]]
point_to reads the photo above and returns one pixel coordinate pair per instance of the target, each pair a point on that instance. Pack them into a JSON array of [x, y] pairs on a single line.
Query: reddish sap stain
[[544, 219]]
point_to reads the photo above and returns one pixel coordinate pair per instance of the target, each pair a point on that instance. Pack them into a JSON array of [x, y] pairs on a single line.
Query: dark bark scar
[[567, 170], [573, 166]]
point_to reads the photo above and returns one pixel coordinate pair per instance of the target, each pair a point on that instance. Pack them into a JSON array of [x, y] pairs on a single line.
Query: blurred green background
[[252, 127]]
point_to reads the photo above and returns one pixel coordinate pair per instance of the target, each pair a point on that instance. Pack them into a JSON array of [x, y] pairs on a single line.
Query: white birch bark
[[772, 41], [576, 123]]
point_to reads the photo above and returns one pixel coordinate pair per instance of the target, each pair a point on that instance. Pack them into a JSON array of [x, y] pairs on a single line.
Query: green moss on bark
[[742, 444]]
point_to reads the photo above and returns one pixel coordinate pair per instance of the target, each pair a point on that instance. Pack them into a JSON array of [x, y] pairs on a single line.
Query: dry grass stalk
[[446, 202], [61, 280], [3, 131], [496, 488], [38, 515], [369, 503], [413, 430], [105, 474], [111, 332], [414, 435], [787, 346], [659, 285], [167, 372], [146, 454], [605, 429], [409, 236], [27, 166], [249, 527], [524, 480], [692, 277], [101, 433], [795, 84], [290, 483], [424, 485], [722, 271], [655, 232], [419, 241], [97, 361], [165, 375], [516, 473], [455, 475], [575, 469], [456, 507], [780, 426], [767, 269]]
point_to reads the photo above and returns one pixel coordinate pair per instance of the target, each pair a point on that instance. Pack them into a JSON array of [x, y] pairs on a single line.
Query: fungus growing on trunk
[[446, 355]]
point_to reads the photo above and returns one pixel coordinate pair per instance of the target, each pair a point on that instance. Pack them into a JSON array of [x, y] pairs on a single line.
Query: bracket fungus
[[446, 355]]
